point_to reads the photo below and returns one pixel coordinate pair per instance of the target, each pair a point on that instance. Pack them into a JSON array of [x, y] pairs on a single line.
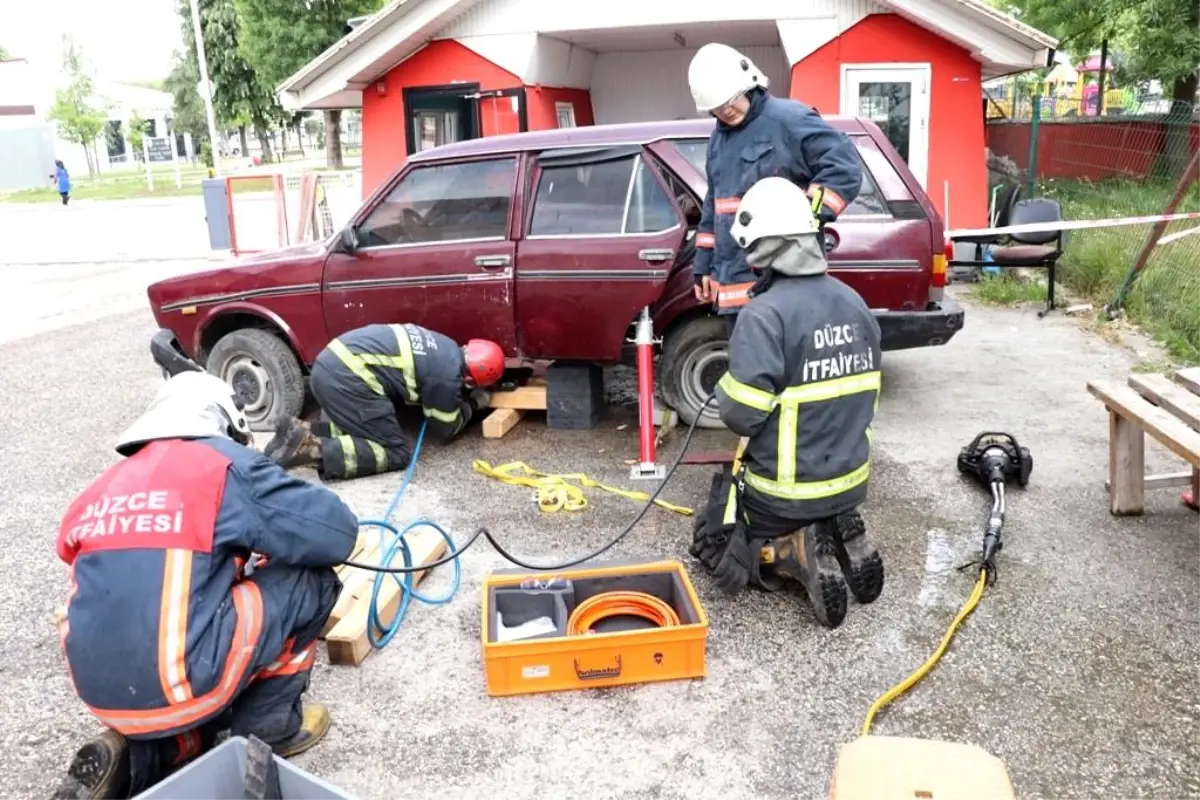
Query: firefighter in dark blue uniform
[[757, 136], [201, 575], [359, 379], [802, 389]]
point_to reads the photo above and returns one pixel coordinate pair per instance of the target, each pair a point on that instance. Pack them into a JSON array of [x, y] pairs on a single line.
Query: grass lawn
[[1165, 299], [127, 185]]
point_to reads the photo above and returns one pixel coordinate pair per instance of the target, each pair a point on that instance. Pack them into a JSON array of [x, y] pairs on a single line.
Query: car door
[[880, 244], [600, 236], [434, 251]]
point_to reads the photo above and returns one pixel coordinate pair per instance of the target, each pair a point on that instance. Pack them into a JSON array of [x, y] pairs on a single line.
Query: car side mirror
[[349, 239]]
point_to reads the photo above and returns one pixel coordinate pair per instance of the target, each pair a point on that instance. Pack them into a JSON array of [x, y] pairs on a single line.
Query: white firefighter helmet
[[772, 207], [190, 405], [718, 74]]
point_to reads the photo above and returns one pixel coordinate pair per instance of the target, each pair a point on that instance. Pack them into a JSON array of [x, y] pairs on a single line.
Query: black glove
[[709, 533], [733, 572]]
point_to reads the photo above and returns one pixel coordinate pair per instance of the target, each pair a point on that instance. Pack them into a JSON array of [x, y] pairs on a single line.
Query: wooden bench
[[1166, 408]]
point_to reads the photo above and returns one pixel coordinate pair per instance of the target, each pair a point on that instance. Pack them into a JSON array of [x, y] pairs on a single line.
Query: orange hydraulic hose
[[620, 604]]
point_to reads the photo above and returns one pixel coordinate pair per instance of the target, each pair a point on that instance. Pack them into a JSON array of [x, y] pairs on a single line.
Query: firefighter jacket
[[161, 631], [778, 137], [803, 386], [411, 365]]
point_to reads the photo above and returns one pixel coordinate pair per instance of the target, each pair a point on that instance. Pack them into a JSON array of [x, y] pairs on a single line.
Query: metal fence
[[1135, 157]]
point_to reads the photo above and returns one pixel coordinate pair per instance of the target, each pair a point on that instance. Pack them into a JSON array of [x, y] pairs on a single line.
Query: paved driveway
[[1079, 668]]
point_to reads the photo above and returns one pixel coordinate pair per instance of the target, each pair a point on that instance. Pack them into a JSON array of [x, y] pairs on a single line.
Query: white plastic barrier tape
[[1178, 235], [1069, 225]]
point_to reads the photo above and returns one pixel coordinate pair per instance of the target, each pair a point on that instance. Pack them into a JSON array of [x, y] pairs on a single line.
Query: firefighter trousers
[[360, 433], [296, 603]]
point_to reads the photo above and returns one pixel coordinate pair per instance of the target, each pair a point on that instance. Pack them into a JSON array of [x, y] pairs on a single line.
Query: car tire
[[694, 357], [263, 371]]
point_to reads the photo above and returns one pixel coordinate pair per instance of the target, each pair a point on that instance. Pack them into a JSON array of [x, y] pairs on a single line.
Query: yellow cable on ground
[[555, 492], [923, 670]]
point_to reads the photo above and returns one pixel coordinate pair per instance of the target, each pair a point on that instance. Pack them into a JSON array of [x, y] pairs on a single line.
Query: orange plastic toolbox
[[620, 650]]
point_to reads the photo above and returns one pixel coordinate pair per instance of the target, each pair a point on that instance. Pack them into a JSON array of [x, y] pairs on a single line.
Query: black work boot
[[860, 562], [808, 557], [313, 727], [293, 445], [99, 771]]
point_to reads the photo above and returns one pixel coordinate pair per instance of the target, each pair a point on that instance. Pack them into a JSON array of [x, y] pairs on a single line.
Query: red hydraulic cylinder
[[644, 339]]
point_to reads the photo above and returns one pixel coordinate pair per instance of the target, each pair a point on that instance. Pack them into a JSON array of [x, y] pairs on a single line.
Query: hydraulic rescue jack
[[887, 766]]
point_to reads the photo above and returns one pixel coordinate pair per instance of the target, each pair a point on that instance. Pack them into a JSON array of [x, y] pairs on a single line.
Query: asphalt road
[[1078, 669]]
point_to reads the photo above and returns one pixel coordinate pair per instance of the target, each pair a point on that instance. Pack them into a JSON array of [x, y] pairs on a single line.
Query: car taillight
[[939, 271]]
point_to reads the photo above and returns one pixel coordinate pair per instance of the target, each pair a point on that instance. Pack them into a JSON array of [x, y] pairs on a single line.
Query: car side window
[[607, 198], [869, 200], [443, 203]]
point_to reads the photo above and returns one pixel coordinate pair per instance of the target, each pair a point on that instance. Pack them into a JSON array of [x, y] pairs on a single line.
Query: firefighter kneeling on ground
[[802, 389], [359, 379], [177, 627]]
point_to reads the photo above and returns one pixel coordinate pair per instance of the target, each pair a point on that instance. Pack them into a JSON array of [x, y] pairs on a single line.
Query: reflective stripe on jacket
[[778, 137], [803, 385], [412, 365]]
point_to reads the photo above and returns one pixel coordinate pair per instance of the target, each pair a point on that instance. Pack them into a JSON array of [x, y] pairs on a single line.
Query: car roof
[[594, 136]]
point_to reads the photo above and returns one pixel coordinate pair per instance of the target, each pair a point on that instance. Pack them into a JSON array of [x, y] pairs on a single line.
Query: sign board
[[159, 149]]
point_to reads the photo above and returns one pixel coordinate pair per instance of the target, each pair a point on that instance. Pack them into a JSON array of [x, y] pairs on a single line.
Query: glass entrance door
[[435, 128], [896, 98]]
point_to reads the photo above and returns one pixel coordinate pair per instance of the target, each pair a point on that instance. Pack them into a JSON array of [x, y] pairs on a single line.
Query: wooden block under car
[[574, 396]]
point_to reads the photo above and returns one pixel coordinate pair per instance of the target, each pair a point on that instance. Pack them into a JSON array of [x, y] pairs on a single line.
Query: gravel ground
[[1078, 669]]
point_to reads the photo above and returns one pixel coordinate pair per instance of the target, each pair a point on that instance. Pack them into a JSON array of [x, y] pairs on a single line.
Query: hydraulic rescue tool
[[897, 766]]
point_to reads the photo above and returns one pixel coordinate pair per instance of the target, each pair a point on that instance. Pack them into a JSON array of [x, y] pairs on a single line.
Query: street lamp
[[206, 89]]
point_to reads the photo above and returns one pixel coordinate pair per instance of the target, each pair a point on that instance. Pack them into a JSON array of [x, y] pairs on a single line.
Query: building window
[[566, 114], [442, 203], [609, 198]]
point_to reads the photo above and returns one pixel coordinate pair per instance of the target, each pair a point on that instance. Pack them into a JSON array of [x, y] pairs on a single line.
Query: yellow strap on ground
[[555, 492]]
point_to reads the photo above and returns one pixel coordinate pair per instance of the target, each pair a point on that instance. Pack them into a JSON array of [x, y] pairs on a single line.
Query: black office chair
[[1001, 214], [1040, 249]]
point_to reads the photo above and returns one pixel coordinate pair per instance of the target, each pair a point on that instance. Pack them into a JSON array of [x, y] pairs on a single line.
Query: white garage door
[[644, 86]]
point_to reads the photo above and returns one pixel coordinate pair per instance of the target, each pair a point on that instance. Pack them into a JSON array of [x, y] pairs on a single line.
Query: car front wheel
[[263, 372], [694, 357]]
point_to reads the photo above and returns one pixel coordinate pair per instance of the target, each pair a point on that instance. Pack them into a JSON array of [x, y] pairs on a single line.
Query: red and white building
[[427, 72]]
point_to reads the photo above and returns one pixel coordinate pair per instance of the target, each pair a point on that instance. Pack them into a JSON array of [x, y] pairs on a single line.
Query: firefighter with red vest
[[363, 375], [757, 136], [201, 574]]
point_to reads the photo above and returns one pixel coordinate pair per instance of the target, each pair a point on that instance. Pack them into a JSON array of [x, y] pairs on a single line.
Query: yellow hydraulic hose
[[923, 670], [555, 492]]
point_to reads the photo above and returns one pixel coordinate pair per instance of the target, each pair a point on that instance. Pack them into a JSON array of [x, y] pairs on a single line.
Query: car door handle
[[492, 262], [656, 254]]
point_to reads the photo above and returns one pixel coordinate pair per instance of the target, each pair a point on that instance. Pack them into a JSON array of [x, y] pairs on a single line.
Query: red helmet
[[485, 361]]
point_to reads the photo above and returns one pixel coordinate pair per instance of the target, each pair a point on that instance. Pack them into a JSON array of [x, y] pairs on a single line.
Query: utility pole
[[206, 89]]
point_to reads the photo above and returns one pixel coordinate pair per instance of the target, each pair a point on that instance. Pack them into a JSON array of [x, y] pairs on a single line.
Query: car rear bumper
[[903, 330]]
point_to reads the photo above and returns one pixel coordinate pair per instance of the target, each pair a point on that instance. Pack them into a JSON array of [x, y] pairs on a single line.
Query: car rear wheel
[[263, 372], [694, 357]]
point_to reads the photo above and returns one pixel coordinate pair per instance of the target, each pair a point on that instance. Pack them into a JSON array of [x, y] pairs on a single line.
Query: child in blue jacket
[[63, 179]]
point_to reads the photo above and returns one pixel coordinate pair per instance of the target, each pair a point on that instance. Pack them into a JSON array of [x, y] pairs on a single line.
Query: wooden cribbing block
[[500, 422], [365, 539], [525, 398], [347, 642], [356, 585]]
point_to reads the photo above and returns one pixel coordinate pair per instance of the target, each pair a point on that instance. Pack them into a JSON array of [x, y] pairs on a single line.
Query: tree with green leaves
[[1153, 39], [79, 114], [240, 95], [137, 134], [187, 105], [4, 54], [281, 36]]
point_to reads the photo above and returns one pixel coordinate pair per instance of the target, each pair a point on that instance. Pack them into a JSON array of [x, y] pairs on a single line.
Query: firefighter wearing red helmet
[[359, 379]]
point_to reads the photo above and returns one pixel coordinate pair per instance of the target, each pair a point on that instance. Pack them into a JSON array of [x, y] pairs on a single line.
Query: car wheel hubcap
[[252, 384], [703, 368]]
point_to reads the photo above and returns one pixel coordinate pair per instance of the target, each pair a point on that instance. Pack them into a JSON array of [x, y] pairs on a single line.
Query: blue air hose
[[397, 545]]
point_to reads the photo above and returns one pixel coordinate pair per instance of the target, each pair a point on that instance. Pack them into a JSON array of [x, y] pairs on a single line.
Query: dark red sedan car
[[549, 243]]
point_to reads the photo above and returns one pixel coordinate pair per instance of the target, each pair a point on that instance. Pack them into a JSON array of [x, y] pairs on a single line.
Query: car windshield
[[695, 151]]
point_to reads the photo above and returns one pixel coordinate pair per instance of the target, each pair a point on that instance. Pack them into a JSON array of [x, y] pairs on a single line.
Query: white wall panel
[[511, 51], [548, 16], [653, 85], [559, 63]]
